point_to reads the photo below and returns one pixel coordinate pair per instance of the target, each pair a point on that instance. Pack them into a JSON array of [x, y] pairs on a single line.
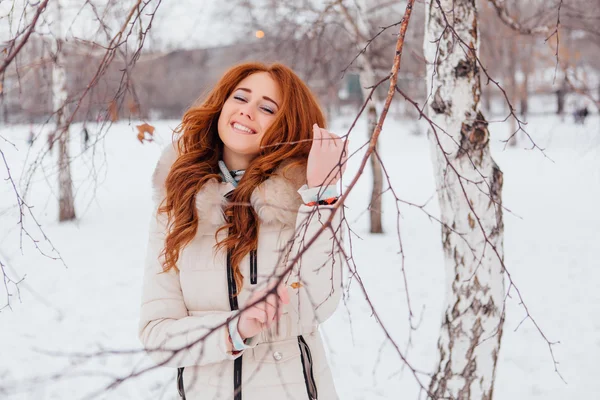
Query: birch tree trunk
[[367, 77], [66, 201], [513, 93], [472, 323], [526, 66]]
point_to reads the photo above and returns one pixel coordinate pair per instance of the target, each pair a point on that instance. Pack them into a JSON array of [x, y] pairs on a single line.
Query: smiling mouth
[[244, 130]]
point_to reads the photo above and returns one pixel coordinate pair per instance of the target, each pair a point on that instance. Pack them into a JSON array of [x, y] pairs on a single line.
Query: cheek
[[266, 122], [224, 117]]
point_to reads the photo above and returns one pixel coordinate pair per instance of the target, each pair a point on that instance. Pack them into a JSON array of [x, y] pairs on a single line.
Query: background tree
[[356, 23], [66, 201]]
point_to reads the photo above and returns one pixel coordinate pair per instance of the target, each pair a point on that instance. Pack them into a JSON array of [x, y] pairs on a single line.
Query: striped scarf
[[232, 177]]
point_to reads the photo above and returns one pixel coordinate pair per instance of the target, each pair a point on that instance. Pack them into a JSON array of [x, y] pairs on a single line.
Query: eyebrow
[[264, 97]]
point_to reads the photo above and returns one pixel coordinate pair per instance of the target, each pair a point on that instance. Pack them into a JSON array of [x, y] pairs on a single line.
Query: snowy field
[[64, 313]]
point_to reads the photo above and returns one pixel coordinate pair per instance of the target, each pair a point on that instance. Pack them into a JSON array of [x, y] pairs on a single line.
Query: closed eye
[[264, 108]]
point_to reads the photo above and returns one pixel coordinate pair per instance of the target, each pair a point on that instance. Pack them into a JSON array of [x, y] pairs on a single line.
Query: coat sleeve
[[319, 268]]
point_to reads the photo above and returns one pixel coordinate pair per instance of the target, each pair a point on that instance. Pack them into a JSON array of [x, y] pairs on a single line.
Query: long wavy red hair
[[200, 149]]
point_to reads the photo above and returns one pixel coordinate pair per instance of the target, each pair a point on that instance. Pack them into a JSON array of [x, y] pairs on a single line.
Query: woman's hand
[[263, 314], [326, 163]]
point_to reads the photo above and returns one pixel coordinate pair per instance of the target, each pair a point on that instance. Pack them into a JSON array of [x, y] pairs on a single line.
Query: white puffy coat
[[181, 309]]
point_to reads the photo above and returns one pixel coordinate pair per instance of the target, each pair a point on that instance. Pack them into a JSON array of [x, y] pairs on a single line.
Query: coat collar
[[276, 200]]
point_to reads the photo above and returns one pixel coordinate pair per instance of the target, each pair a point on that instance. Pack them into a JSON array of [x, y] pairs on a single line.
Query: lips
[[242, 129]]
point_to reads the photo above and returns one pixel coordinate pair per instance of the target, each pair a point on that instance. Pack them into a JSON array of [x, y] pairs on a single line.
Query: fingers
[[317, 135], [270, 307], [283, 294], [281, 291], [345, 155], [257, 314], [324, 137], [273, 301], [327, 138], [341, 157], [335, 140], [263, 312], [271, 312]]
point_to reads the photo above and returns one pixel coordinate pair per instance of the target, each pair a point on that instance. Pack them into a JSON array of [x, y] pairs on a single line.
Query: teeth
[[242, 128]]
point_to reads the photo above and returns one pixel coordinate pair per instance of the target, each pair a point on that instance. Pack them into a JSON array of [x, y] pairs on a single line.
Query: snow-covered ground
[[551, 247]]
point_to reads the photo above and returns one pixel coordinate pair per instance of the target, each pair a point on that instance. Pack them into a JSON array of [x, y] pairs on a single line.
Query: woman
[[233, 294]]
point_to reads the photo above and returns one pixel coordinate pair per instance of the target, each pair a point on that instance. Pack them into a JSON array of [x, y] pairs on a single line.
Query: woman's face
[[246, 115]]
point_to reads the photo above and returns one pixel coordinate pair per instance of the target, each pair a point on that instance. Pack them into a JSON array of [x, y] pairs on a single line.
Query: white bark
[[511, 70], [472, 322], [368, 78], [59, 97]]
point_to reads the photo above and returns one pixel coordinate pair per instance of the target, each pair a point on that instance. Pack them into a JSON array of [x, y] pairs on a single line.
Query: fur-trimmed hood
[[276, 200]]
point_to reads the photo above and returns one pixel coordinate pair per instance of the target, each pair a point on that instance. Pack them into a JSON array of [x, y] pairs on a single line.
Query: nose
[[247, 112]]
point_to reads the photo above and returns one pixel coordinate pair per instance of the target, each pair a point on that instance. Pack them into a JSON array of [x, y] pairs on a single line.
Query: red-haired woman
[[233, 295]]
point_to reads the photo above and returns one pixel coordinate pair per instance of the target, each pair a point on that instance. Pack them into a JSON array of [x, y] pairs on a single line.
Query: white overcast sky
[[178, 24], [193, 23]]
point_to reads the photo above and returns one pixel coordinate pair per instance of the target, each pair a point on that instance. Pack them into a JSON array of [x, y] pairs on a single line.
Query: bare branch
[[501, 9], [23, 41]]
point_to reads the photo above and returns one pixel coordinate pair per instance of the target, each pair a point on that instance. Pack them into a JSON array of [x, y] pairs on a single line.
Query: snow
[[551, 237]]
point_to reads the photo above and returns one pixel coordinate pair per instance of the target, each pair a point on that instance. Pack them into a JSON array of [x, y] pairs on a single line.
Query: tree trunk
[[487, 99], [375, 205], [526, 66], [560, 97], [472, 324], [3, 102], [66, 201], [368, 78], [513, 90]]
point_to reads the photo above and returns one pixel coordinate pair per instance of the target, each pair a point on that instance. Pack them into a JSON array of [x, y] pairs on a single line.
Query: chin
[[243, 150]]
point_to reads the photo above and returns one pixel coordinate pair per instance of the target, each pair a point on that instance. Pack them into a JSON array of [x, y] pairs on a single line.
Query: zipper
[[237, 378], [253, 267], [307, 364], [180, 387], [233, 304], [231, 286]]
